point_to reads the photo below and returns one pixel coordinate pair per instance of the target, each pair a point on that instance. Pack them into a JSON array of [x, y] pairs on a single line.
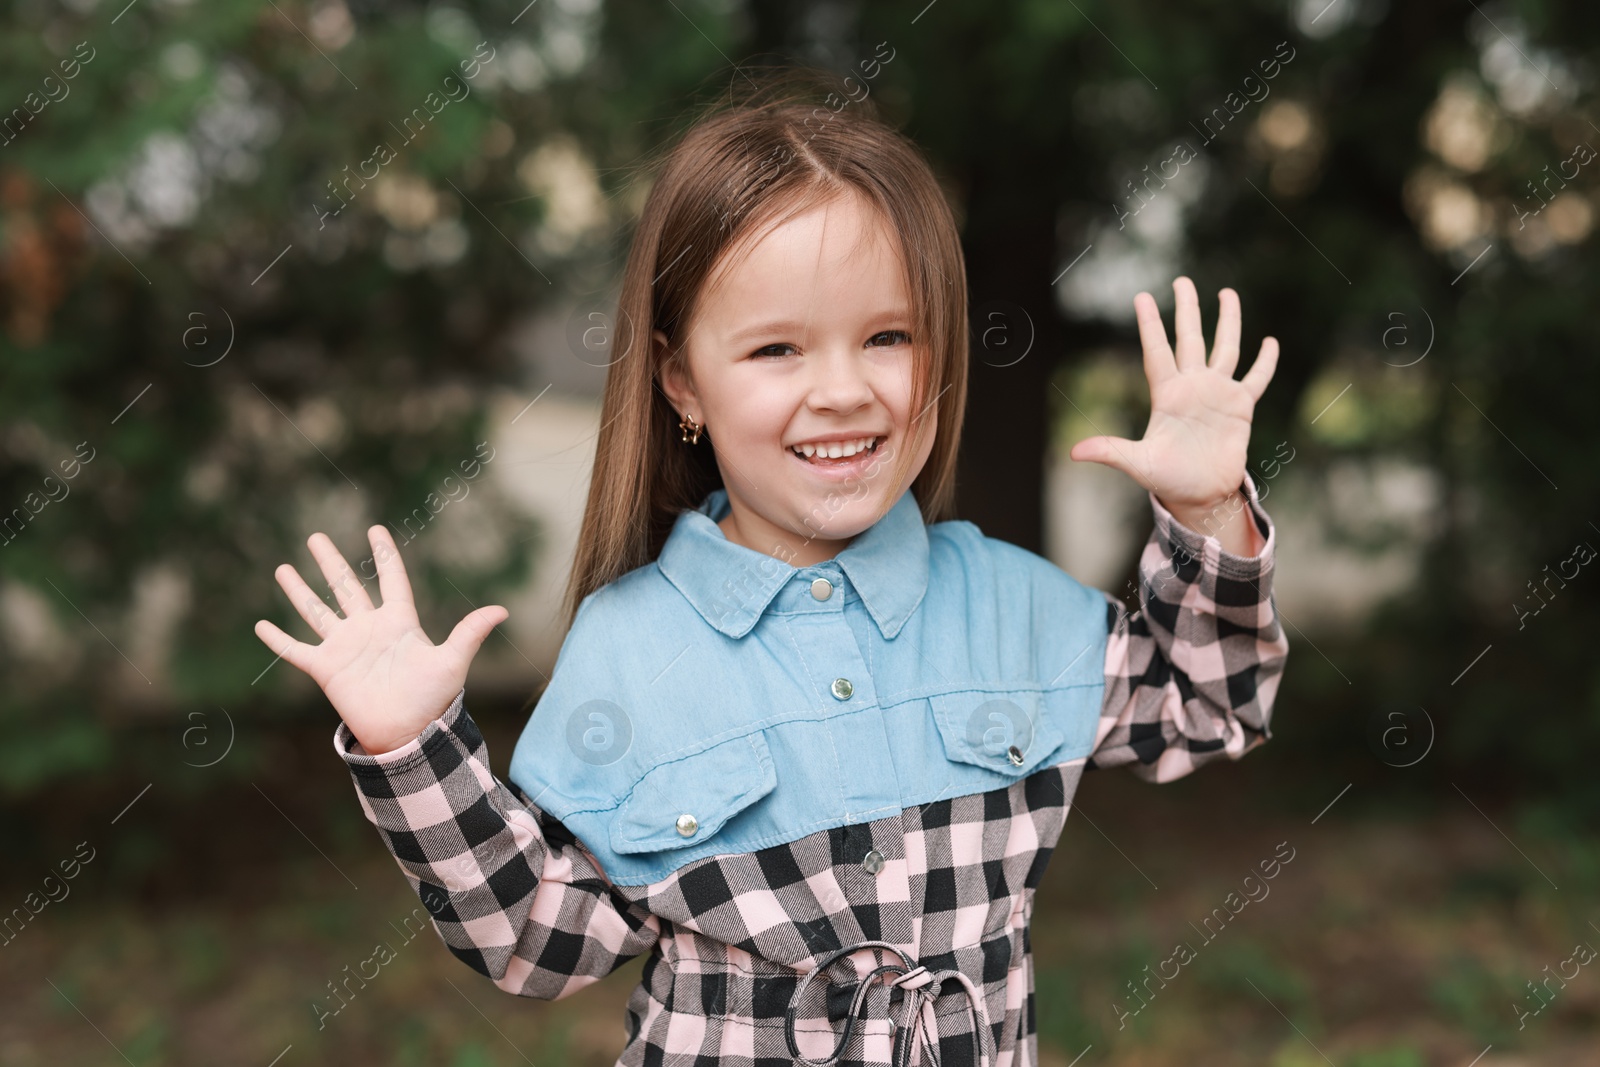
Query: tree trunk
[[1017, 338]]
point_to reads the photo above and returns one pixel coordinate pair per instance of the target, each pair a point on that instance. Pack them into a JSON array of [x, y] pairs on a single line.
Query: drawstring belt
[[921, 987]]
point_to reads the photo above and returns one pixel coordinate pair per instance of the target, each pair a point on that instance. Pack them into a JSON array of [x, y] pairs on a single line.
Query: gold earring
[[688, 426]]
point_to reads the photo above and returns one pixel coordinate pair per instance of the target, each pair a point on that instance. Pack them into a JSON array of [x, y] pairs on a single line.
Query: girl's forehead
[[838, 257]]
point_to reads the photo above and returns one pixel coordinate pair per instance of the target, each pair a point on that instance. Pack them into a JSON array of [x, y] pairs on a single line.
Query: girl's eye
[[772, 351]]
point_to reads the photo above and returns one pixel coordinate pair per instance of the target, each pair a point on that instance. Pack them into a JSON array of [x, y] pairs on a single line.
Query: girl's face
[[805, 343]]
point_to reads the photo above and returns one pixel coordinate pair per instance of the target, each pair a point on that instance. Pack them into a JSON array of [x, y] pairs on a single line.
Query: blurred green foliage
[[1399, 1056], [1382, 175], [1473, 1000]]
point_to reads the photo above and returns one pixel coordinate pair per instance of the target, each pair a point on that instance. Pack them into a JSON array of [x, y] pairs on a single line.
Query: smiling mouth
[[836, 453]]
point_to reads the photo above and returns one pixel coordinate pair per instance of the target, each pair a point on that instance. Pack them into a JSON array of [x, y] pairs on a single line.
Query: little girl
[[809, 742]]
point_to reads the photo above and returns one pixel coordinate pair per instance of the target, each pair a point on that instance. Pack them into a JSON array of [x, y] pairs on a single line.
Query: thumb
[[1115, 452], [472, 631]]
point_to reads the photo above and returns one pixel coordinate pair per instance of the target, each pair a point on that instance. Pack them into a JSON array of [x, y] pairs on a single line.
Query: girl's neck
[[782, 544]]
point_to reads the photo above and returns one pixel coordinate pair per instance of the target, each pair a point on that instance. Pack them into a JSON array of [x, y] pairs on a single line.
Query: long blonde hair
[[741, 165]]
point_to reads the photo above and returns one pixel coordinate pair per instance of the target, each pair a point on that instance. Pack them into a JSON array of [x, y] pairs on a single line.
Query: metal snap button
[[842, 688], [822, 589], [873, 861], [687, 824], [1014, 754]]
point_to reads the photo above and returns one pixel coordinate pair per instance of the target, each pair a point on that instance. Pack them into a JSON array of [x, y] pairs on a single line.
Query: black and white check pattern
[[1190, 678]]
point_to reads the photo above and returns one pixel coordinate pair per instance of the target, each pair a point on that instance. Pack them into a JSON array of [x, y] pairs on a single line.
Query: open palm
[[1192, 454], [377, 667]]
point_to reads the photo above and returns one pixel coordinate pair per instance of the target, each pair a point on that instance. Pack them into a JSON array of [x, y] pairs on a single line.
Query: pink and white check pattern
[[1190, 678]]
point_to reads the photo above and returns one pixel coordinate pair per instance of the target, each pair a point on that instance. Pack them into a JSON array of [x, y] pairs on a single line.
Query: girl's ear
[[674, 381]]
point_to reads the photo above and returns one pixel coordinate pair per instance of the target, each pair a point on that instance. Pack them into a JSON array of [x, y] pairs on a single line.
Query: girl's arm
[[510, 890], [512, 893], [1191, 676]]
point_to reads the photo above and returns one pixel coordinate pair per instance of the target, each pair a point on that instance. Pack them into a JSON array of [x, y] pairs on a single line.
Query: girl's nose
[[838, 381]]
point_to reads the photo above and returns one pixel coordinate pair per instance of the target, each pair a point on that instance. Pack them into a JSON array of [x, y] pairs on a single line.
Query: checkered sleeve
[[511, 891], [1191, 675]]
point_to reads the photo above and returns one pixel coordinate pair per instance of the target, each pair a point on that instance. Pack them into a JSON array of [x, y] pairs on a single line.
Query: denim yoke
[[711, 703]]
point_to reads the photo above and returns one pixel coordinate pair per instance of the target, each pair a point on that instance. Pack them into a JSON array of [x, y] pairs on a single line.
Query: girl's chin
[[840, 518]]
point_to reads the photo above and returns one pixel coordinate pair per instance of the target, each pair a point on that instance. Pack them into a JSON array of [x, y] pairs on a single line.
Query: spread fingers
[[298, 653], [317, 614], [347, 588]]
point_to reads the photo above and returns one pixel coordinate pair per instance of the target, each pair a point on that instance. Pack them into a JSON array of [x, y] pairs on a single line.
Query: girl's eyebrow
[[760, 329], [791, 326]]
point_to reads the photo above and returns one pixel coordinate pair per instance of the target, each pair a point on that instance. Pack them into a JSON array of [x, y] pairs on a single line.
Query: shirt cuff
[[1263, 536], [350, 750]]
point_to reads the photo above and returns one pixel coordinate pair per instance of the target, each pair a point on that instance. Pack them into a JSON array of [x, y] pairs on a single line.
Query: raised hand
[[383, 676], [1192, 455]]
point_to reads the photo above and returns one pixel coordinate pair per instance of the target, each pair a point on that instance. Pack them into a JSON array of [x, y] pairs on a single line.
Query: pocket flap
[[1010, 732], [709, 787]]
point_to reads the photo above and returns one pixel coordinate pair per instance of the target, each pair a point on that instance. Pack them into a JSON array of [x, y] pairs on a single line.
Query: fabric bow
[[921, 988]]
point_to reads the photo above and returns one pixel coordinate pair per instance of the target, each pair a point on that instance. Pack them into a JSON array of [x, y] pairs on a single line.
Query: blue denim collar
[[730, 585]]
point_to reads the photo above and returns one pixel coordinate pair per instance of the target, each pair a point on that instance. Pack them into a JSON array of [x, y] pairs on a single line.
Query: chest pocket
[[1013, 732], [684, 802]]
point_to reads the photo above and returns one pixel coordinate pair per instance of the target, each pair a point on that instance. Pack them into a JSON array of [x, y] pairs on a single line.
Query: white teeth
[[835, 449]]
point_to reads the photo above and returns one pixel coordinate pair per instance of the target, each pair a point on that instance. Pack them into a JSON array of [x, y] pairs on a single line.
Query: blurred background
[[263, 271]]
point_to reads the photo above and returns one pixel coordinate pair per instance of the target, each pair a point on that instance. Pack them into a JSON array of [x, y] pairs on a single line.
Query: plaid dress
[[897, 940]]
